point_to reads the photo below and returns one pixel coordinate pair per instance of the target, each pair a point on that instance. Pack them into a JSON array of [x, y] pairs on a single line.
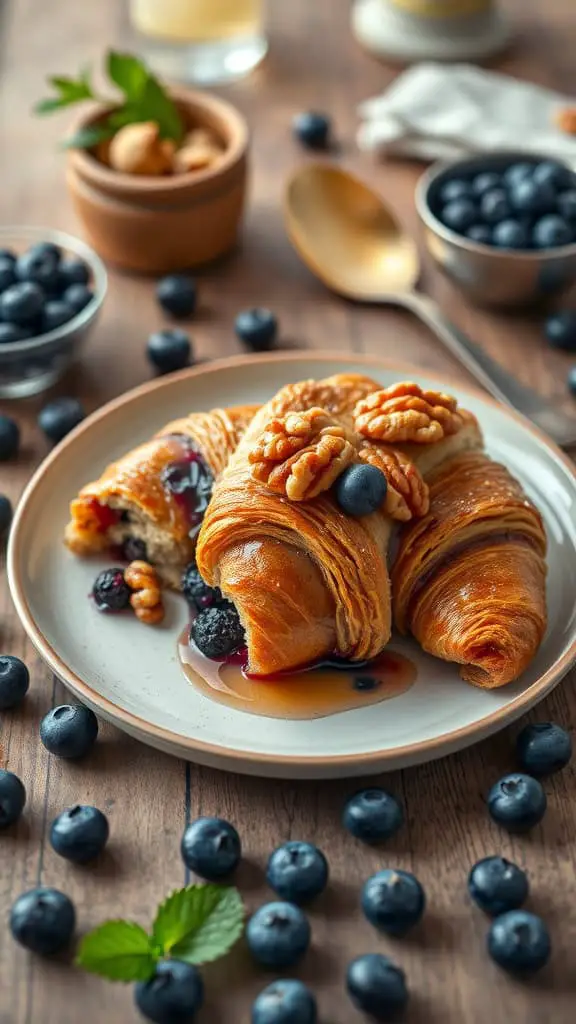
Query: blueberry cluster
[[523, 206], [40, 290]]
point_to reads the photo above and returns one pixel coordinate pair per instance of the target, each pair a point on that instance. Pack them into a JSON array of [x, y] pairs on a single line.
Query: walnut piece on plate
[[146, 599], [405, 413]]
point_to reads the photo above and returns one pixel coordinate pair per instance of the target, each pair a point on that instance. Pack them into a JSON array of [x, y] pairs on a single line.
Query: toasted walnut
[[138, 149], [301, 454], [407, 496], [404, 413], [146, 599], [196, 157], [565, 120]]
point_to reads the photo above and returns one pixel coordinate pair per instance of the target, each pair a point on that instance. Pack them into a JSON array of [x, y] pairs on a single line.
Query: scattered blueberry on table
[[169, 350], [517, 802], [43, 921], [14, 678], [211, 848], [372, 815], [9, 438], [393, 901], [174, 994], [257, 329], [218, 632], [197, 593], [59, 417], [5, 514], [110, 591], [560, 329], [278, 935], [496, 885], [79, 833], [543, 748], [69, 730], [312, 129], [12, 798], [285, 1002], [177, 294], [519, 942], [361, 489], [297, 872], [377, 986]]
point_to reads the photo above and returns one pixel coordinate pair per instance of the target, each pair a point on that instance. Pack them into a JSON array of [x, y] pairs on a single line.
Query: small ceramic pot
[[161, 224]]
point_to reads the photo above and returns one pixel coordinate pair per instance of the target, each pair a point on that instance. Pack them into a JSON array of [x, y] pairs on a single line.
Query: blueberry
[[485, 182], [285, 1002], [560, 329], [177, 294], [516, 173], [173, 995], [22, 303], [9, 438], [69, 730], [198, 594], [376, 986], [566, 204], [217, 632], [517, 802], [372, 815], [12, 798], [7, 275], [510, 234], [278, 935], [72, 271], [456, 188], [169, 350], [571, 380], [43, 920], [79, 834], [543, 748], [312, 129], [5, 514], [77, 296], [554, 174], [361, 489], [297, 872], [459, 215], [211, 848], [14, 680], [519, 942], [527, 196], [7, 254], [497, 885], [393, 901], [46, 250], [479, 233], [494, 206], [40, 266], [59, 417], [551, 231], [10, 333], [56, 312], [134, 550], [257, 328], [110, 591]]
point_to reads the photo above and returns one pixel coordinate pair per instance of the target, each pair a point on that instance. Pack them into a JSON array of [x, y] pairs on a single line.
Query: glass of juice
[[203, 41]]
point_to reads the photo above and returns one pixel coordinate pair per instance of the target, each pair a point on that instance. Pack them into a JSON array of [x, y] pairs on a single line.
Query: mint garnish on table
[[197, 924], [142, 98]]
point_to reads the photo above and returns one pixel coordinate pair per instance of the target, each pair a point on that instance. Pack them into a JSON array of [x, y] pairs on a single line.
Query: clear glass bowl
[[30, 366]]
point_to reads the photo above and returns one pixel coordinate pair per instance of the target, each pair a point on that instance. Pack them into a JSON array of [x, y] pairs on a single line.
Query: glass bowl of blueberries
[[502, 227], [52, 287]]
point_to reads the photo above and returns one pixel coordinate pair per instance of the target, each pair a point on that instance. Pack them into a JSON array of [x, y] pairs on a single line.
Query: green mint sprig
[[197, 924], [143, 98]]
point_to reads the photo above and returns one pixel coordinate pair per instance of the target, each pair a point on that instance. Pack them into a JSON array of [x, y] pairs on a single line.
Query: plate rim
[[235, 758]]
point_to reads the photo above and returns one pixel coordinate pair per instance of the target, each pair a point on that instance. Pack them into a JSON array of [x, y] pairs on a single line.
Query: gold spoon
[[352, 241]]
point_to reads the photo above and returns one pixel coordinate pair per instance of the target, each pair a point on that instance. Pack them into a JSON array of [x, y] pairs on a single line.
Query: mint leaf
[[118, 950], [86, 138], [71, 90], [128, 73], [156, 105], [48, 106], [199, 923]]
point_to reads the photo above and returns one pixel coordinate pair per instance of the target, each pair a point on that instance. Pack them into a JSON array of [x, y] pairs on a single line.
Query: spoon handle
[[498, 381]]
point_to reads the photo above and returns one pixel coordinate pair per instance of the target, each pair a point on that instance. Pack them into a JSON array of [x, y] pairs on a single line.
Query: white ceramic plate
[[129, 674]]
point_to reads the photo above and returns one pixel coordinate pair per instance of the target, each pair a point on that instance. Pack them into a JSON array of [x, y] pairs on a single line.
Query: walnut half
[[407, 496], [405, 413]]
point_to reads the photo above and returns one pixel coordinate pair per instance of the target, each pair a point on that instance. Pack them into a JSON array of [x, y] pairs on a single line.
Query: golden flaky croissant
[[149, 504]]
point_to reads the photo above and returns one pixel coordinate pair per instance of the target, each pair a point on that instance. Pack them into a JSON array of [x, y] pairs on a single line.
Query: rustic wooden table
[[149, 797]]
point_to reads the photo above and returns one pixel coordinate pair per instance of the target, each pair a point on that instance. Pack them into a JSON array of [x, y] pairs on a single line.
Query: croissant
[[150, 502]]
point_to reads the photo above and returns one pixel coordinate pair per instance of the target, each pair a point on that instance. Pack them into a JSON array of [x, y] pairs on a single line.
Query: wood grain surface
[[149, 797]]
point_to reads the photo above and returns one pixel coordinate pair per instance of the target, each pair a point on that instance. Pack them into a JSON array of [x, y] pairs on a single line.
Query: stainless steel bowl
[[30, 366], [490, 276]]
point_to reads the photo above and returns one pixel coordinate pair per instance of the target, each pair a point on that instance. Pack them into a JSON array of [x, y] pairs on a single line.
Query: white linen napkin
[[443, 112]]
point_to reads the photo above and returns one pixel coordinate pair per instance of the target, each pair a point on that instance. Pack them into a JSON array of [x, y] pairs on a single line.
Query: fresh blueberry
[[393, 901], [40, 266], [110, 591], [217, 632], [519, 942], [510, 234], [12, 798], [173, 996], [297, 872], [361, 489], [516, 173], [285, 1002], [22, 303], [517, 802], [79, 834], [551, 231], [566, 204], [278, 935], [198, 594], [456, 188], [257, 328], [55, 313], [527, 196], [10, 333], [376, 986], [77, 296], [14, 678], [134, 550], [211, 848], [9, 438], [372, 815], [46, 250], [72, 271], [497, 885], [312, 129], [554, 174], [560, 329], [59, 417], [177, 294], [479, 233], [543, 748], [7, 254], [7, 275], [460, 214], [43, 921], [494, 206], [485, 182], [571, 380], [169, 350], [5, 514], [69, 730]]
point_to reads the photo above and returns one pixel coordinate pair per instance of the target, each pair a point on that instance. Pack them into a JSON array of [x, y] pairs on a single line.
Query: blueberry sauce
[[189, 481]]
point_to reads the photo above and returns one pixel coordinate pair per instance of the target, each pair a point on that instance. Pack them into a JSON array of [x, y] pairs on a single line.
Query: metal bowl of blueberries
[[502, 227], [52, 287]]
